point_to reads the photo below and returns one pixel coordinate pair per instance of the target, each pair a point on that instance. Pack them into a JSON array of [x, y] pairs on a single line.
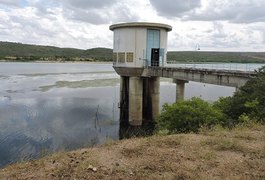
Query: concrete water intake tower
[[138, 46]]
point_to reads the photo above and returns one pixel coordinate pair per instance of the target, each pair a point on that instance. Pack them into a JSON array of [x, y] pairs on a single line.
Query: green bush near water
[[188, 116], [246, 103], [245, 106]]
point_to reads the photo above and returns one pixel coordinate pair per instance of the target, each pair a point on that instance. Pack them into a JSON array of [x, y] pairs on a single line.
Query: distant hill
[[25, 52], [100, 54], [204, 56]]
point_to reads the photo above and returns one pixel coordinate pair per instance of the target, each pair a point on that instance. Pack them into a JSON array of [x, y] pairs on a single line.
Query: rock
[[131, 173], [90, 167], [94, 169]]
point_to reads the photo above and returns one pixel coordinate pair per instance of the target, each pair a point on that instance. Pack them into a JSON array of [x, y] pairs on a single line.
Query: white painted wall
[[133, 39]]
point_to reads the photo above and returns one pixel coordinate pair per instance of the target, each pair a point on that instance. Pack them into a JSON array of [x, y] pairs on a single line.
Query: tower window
[[129, 56], [121, 57]]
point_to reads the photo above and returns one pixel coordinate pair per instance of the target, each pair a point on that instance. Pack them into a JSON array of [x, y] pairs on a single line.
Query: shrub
[[188, 116], [248, 101]]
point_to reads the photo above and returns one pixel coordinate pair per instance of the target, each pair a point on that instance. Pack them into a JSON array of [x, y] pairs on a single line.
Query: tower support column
[[135, 101], [154, 90], [124, 99]]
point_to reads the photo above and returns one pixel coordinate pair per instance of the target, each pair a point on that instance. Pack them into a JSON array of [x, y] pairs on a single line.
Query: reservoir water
[[49, 107]]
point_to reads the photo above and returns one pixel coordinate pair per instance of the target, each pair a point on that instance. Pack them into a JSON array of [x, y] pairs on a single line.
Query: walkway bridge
[[140, 86], [223, 77], [233, 78], [182, 75]]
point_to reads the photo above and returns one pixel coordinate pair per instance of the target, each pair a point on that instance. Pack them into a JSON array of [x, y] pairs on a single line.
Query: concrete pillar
[[147, 107], [135, 101], [124, 99], [122, 79], [237, 88], [154, 90], [180, 89]]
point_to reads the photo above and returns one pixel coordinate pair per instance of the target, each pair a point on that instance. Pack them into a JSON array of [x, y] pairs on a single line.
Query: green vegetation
[[24, 52], [99, 54], [225, 57], [246, 105], [187, 116]]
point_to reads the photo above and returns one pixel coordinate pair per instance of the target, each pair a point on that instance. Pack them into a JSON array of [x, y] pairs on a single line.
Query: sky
[[214, 25]]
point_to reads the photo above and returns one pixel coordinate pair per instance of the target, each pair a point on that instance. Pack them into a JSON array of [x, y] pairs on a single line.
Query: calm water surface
[[48, 107]]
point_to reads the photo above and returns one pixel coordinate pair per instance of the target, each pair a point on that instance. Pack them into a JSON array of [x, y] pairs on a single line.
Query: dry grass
[[217, 154]]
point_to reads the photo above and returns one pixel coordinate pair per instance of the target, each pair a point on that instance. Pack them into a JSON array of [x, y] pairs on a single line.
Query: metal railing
[[219, 66]]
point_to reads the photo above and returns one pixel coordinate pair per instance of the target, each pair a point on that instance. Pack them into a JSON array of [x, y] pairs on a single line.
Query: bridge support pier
[[180, 89]]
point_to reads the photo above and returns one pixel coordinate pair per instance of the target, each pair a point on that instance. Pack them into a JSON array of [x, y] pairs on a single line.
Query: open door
[[155, 57]]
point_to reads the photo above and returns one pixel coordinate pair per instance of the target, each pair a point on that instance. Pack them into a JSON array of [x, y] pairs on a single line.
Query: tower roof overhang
[[141, 24]]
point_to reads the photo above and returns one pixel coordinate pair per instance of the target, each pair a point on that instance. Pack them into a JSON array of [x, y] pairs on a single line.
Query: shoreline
[[87, 62], [110, 62], [220, 153]]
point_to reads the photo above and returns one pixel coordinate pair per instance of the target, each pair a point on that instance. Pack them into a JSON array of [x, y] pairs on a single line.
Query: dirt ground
[[217, 154]]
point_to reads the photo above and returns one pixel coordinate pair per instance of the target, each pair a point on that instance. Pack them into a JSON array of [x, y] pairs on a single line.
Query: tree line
[[26, 52]]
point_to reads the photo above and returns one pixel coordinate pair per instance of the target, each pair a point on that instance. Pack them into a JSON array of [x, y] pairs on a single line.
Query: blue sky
[[216, 25], [24, 3]]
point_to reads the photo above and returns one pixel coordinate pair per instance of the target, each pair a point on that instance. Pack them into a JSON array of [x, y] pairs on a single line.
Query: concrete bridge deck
[[233, 78]]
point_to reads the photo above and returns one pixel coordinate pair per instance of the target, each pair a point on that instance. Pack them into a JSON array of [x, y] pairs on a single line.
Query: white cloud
[[214, 24], [90, 4], [173, 8], [10, 2], [116, 12], [236, 11]]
